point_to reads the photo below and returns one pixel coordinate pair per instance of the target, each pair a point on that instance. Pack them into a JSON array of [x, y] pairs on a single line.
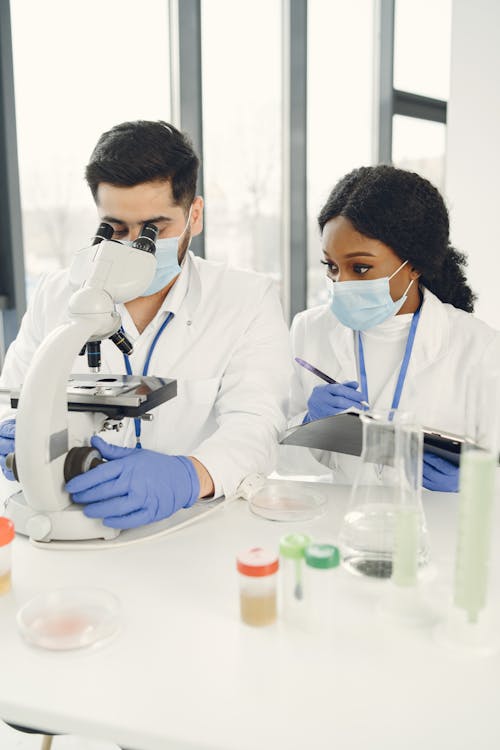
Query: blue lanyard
[[404, 365], [145, 370]]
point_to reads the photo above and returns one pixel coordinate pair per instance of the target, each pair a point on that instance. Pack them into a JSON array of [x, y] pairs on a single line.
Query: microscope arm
[[42, 417]]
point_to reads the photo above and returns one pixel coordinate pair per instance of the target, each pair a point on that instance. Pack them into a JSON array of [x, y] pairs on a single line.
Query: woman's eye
[[361, 269], [119, 233], [331, 267]]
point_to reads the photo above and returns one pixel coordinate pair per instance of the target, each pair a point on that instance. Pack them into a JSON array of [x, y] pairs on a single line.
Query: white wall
[[473, 147]]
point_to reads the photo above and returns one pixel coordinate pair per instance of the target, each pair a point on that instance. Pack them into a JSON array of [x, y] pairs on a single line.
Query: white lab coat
[[444, 387], [227, 345]]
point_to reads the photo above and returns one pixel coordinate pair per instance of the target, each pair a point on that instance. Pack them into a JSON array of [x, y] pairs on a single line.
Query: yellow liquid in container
[[258, 610], [5, 582]]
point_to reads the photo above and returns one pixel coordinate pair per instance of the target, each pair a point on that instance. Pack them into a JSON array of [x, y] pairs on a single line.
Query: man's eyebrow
[[154, 220]]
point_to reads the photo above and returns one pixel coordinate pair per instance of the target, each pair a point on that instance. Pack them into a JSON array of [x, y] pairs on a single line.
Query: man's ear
[[197, 216]]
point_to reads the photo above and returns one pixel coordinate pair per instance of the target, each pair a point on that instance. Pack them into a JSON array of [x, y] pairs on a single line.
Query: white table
[[184, 672]]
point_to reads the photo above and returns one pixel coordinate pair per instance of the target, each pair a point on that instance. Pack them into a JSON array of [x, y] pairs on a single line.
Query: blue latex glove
[[326, 400], [439, 474], [135, 486], [7, 445]]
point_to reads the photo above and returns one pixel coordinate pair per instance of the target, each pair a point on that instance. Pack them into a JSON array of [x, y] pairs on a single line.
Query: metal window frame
[[12, 276], [186, 83], [294, 158], [420, 107], [388, 100]]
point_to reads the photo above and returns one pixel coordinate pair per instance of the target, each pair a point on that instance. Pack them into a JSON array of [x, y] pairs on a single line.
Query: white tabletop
[[184, 672]]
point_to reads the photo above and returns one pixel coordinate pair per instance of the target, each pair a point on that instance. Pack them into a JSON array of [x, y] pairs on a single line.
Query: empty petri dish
[[283, 500], [69, 618]]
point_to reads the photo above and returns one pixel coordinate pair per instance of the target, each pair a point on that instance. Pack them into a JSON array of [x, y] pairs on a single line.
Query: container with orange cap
[[258, 568], [6, 536]]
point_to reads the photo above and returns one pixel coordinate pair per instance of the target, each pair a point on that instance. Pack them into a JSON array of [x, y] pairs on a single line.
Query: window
[[422, 43], [340, 101], [79, 68], [419, 145], [242, 131]]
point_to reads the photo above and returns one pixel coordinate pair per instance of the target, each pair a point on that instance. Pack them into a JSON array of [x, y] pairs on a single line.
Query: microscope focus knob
[[38, 527], [79, 460]]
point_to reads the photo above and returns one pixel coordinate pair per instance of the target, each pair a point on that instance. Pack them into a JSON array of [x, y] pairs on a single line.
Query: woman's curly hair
[[407, 213]]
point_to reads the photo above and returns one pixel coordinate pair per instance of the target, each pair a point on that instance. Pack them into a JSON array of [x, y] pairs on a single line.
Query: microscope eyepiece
[[147, 238], [104, 232]]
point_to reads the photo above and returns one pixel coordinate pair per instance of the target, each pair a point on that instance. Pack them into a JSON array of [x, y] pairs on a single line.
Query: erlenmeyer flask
[[385, 517]]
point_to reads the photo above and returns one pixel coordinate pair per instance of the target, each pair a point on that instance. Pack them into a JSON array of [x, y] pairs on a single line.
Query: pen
[[314, 370], [321, 375]]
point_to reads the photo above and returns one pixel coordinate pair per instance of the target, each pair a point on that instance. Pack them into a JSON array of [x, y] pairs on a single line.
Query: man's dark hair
[[407, 213], [142, 151]]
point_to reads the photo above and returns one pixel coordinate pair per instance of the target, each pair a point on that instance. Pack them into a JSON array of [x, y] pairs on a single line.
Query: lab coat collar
[[432, 339], [186, 290], [342, 344], [177, 293]]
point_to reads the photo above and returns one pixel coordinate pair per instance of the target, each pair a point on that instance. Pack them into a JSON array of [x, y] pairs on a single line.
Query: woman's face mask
[[364, 304]]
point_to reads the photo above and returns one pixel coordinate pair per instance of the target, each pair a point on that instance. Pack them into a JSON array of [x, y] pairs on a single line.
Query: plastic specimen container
[[69, 618], [257, 569], [293, 595], [321, 562]]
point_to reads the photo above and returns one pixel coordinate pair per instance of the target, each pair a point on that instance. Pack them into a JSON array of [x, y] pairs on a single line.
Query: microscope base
[[69, 524]]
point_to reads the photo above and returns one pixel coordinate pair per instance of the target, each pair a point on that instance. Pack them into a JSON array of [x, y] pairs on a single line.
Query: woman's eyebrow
[[360, 255], [353, 255]]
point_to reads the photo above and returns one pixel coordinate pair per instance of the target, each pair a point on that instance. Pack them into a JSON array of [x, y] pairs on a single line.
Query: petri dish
[[282, 500], [69, 618]]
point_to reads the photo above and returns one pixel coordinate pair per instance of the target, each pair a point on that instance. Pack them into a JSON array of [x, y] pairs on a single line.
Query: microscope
[[58, 412]]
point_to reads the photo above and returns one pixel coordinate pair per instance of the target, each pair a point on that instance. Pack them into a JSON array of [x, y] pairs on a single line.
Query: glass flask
[[383, 530]]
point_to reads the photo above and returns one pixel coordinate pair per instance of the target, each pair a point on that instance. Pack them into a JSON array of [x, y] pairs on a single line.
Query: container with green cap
[[293, 601], [321, 561]]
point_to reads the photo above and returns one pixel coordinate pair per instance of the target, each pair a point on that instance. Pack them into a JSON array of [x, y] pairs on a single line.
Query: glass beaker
[[384, 522]]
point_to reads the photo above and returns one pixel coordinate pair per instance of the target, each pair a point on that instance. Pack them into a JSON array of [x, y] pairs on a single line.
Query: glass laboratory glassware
[[258, 569], [384, 524], [6, 536], [69, 618], [293, 600], [288, 500]]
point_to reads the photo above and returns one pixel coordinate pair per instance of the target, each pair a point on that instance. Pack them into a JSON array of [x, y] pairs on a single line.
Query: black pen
[[315, 370], [321, 375]]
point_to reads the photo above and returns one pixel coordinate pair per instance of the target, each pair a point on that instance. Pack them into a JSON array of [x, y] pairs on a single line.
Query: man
[[218, 331]]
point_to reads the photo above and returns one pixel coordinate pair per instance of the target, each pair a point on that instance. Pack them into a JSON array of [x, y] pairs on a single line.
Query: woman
[[397, 332]]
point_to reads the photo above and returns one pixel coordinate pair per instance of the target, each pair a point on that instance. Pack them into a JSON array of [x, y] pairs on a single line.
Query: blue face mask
[[364, 304], [167, 263]]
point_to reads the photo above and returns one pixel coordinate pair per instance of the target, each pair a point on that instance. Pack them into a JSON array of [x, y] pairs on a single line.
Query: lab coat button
[[188, 322]]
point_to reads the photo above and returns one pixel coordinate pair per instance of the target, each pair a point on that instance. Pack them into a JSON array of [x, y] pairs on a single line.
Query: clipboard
[[343, 433]]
